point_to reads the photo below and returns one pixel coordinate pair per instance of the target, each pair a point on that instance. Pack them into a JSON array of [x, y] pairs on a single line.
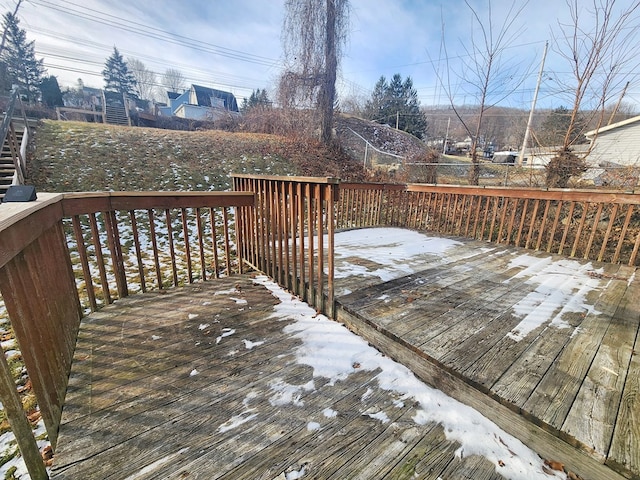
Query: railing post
[[20, 424]]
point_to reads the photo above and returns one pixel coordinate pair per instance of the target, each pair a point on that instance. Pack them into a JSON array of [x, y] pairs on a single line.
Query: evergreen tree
[[51, 94], [375, 109], [19, 56], [258, 98], [117, 77], [396, 103], [555, 126]]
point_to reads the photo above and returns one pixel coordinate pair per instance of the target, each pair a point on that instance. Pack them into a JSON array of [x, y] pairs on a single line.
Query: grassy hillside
[[75, 156]]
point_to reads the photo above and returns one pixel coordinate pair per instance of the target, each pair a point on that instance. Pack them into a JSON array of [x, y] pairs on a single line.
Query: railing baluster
[[542, 224], [154, 244], [84, 261], [187, 249], [605, 240], [136, 241], [172, 251], [567, 226], [95, 236], [227, 242], [523, 219], [623, 234], [576, 241], [214, 242], [203, 262], [552, 234]]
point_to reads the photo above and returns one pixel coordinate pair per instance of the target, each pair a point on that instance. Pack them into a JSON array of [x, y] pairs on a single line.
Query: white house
[[618, 143], [200, 103]]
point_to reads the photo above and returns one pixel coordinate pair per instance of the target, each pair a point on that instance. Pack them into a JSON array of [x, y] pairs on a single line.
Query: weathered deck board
[[569, 381], [135, 409], [132, 397], [597, 409], [554, 396]]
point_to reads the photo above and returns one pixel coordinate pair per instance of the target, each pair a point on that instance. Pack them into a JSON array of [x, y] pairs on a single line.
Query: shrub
[[562, 167]]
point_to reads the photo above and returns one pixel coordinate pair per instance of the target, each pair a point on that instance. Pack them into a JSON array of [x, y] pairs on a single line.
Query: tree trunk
[[327, 92]]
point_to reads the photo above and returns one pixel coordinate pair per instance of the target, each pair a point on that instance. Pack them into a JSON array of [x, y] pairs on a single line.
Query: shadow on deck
[[203, 381]]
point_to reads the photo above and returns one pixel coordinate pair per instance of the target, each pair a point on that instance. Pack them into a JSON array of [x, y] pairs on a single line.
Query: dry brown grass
[[75, 156]]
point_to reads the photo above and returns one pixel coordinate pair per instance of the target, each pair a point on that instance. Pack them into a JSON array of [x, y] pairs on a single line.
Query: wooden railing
[[9, 135], [67, 254], [285, 233], [594, 225]]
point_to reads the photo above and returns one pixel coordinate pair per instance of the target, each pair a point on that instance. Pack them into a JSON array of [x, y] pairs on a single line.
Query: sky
[[236, 46]]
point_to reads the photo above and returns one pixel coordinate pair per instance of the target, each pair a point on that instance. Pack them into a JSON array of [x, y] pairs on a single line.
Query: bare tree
[[602, 48], [173, 80], [484, 74], [145, 78], [313, 34]]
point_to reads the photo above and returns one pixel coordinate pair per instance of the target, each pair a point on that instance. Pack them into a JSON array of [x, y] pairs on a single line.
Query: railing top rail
[[50, 208], [373, 185], [327, 180], [12, 212], [605, 196], [79, 203], [154, 194]]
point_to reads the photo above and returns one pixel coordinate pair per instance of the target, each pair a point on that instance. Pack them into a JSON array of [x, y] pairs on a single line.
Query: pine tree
[[51, 94], [258, 99], [19, 56], [396, 103], [117, 77]]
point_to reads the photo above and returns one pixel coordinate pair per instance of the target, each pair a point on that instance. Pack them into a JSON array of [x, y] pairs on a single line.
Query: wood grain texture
[[134, 406], [568, 382]]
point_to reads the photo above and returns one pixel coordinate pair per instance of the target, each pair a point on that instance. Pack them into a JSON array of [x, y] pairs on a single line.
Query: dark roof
[[173, 95], [204, 94]]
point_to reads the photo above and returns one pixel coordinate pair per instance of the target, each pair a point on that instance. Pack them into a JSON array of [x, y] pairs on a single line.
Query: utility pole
[[397, 119], [446, 137], [533, 106]]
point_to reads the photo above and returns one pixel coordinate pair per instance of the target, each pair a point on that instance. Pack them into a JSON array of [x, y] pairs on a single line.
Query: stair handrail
[[25, 137], [104, 107], [5, 129]]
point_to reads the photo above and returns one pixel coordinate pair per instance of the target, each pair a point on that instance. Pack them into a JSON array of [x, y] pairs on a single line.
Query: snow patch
[[248, 344], [561, 286], [330, 349]]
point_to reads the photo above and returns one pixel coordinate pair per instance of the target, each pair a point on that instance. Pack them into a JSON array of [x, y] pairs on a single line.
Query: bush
[[562, 167]]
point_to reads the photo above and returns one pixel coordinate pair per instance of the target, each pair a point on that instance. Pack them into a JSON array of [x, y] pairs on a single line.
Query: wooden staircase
[[116, 115], [7, 166], [114, 109]]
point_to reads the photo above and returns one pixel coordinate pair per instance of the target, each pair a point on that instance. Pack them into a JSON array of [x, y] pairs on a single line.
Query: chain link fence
[[511, 175]]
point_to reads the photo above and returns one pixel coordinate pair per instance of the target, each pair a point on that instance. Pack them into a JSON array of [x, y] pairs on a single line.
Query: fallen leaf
[[554, 465]]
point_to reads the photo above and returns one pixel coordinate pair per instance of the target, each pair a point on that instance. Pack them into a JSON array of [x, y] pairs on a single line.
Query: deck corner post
[[20, 424]]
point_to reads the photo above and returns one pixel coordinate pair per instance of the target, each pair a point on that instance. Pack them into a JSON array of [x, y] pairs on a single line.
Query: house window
[[216, 102]]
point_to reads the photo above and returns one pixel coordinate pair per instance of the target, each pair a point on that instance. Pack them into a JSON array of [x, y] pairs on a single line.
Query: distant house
[[616, 144], [200, 103]]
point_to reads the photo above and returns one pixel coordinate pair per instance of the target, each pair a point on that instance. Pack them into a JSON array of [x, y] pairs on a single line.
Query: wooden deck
[[164, 385], [573, 378]]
